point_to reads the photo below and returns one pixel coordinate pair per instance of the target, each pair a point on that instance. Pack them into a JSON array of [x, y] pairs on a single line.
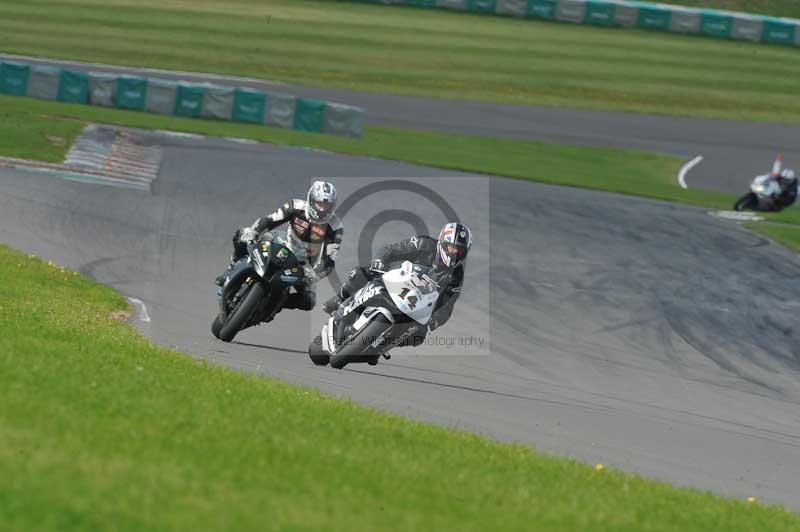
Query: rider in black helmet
[[447, 255]]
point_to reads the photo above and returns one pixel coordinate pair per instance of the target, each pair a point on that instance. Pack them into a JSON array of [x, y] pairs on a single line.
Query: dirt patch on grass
[[120, 315], [57, 141]]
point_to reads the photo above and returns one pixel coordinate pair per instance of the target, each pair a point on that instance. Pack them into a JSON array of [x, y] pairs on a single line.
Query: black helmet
[[455, 239]]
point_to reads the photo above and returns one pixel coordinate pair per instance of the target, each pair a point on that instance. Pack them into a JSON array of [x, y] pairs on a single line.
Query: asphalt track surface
[[648, 336], [733, 151]]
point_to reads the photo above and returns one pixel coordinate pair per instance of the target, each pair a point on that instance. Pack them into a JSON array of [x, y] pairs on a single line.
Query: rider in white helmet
[[313, 225], [789, 187]]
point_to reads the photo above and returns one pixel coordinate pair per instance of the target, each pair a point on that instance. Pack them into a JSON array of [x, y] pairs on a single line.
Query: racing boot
[[220, 280]]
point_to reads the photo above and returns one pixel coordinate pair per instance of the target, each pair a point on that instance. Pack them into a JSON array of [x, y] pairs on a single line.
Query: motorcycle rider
[[789, 185], [787, 181], [447, 255], [313, 225]]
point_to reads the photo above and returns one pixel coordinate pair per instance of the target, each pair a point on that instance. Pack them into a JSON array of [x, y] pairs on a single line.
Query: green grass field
[[786, 234], [413, 51], [102, 430]]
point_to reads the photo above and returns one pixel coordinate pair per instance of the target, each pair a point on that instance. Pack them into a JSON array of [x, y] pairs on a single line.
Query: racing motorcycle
[[383, 313], [256, 287], [764, 195]]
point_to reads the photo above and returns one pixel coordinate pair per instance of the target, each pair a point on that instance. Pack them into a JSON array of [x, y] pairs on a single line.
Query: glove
[[247, 235], [310, 274], [376, 265]]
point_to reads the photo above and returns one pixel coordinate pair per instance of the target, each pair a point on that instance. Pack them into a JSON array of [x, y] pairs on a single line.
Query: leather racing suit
[[320, 241]]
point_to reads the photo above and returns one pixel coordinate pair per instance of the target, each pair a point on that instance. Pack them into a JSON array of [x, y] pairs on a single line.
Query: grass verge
[[32, 134], [99, 426], [38, 122], [785, 234], [617, 170], [413, 51], [43, 130]]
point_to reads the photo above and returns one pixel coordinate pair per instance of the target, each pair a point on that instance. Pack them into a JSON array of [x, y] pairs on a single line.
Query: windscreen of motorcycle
[[413, 293]]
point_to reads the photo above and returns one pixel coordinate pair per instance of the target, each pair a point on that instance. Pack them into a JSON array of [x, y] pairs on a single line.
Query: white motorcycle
[[382, 314], [764, 195]]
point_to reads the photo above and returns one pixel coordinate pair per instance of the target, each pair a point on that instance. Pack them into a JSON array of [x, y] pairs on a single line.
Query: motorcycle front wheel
[[315, 352], [356, 347], [216, 325], [747, 202], [239, 315]]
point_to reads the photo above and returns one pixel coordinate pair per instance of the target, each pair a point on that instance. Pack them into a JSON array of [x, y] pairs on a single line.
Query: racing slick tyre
[[316, 353], [357, 348], [747, 202], [216, 325], [241, 314]]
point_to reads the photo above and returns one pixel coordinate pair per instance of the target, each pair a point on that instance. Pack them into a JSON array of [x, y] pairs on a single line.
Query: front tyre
[[216, 325], [242, 313], [748, 202], [357, 348], [315, 352]]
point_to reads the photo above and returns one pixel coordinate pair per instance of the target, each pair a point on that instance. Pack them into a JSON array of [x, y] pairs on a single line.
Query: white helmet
[[320, 202], [788, 174]]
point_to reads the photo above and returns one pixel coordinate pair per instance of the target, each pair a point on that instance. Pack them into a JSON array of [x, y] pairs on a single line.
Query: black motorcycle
[[256, 287]]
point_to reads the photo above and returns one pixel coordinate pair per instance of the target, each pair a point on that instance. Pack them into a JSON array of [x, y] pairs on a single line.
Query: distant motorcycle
[[770, 192], [764, 195], [383, 313], [256, 287]]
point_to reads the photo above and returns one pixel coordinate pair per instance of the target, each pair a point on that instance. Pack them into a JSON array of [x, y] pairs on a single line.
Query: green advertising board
[[248, 105], [600, 13], [189, 100], [653, 17], [73, 86], [716, 24], [131, 92], [14, 78], [545, 9], [308, 114], [778, 31]]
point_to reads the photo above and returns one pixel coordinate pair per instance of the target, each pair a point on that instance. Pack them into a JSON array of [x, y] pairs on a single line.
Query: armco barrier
[[629, 13], [181, 98]]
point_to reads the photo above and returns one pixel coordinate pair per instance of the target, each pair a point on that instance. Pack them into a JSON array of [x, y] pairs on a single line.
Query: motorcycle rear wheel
[[357, 349]]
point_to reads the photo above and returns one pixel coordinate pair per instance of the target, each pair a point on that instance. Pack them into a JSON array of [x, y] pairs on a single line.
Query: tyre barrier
[[180, 98], [628, 13]]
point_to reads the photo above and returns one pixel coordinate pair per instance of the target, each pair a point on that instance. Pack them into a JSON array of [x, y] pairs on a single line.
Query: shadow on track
[[283, 349]]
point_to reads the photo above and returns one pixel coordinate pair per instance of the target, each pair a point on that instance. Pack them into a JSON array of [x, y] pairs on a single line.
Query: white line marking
[[141, 310], [239, 140], [180, 135], [738, 216], [685, 170]]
